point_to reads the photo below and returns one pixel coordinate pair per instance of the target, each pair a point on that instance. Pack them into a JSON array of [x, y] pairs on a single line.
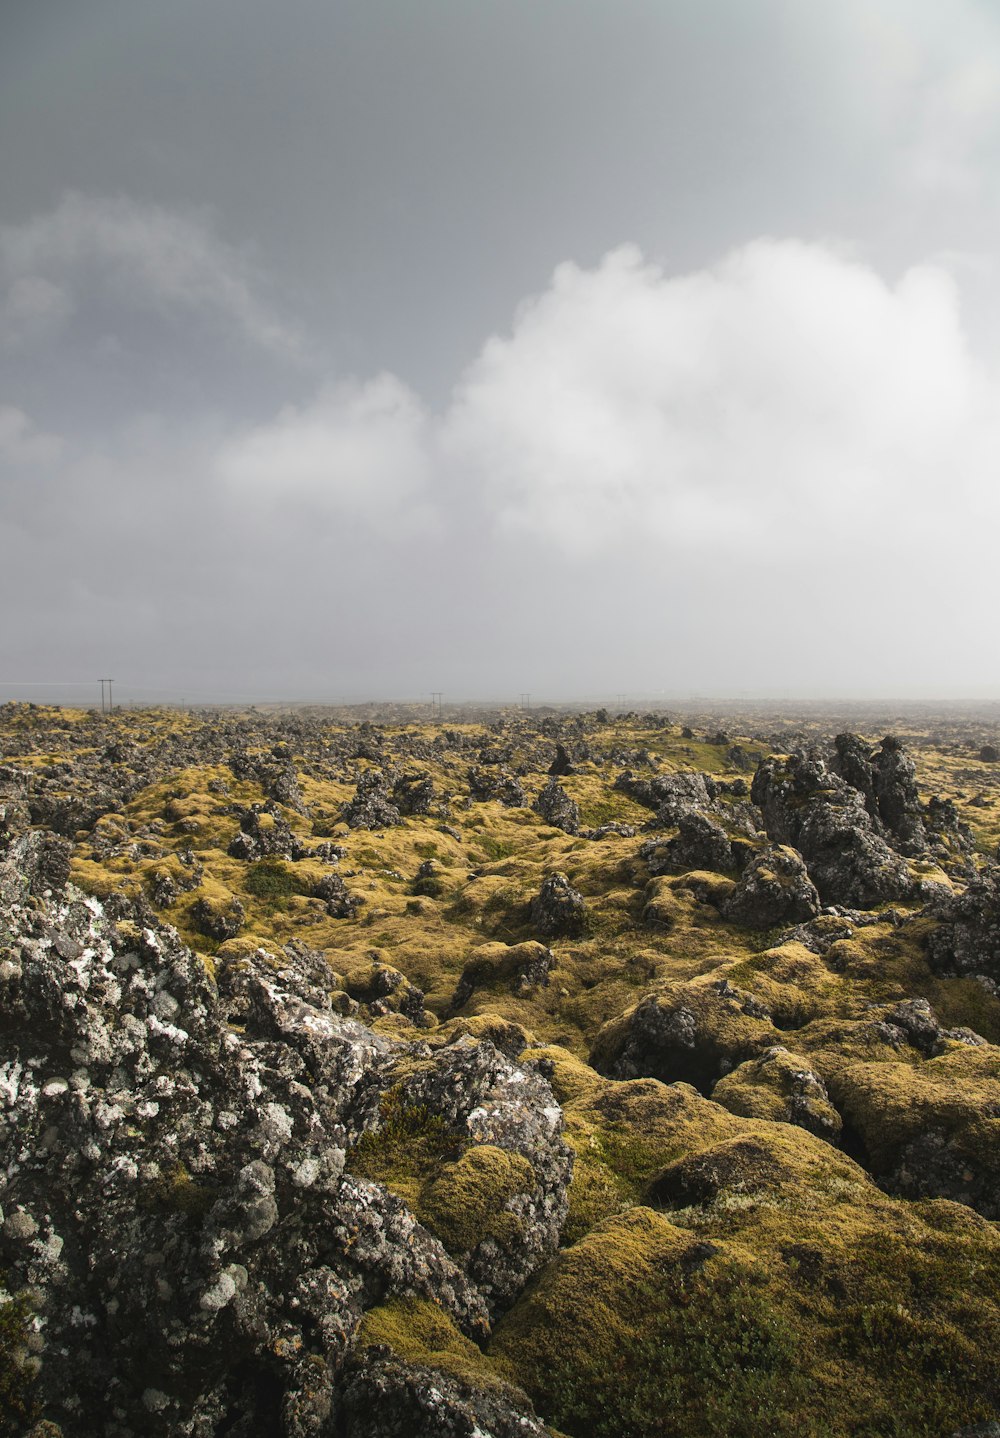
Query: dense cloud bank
[[642, 456]]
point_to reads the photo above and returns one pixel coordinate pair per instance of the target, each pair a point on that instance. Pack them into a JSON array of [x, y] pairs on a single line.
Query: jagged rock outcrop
[[177, 1200], [774, 888], [386, 1398], [557, 808], [340, 902], [813, 810], [372, 806], [265, 833], [967, 939], [558, 910], [701, 843], [496, 1191], [895, 778], [413, 794], [562, 763], [497, 784]]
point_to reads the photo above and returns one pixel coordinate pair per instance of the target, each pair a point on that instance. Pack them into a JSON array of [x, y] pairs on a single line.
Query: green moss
[[420, 1332], [177, 1192], [270, 879], [19, 1404], [467, 1202]]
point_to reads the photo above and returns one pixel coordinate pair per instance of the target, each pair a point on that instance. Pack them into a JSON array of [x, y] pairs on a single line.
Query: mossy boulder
[[781, 1086], [694, 1032], [932, 1129]]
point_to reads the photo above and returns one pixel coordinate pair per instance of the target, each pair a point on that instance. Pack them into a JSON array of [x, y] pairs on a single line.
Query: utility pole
[[436, 698], [111, 707], [525, 701]]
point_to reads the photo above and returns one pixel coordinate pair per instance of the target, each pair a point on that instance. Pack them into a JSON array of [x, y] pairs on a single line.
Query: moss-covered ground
[[723, 1271]]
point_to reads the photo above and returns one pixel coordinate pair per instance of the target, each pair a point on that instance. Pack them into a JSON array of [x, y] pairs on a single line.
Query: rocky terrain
[[512, 1074]]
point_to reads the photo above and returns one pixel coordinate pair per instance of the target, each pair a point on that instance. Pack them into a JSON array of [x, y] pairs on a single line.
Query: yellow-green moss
[[467, 1201]]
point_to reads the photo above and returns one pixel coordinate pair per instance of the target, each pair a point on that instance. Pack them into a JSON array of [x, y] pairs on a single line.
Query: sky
[[578, 348]]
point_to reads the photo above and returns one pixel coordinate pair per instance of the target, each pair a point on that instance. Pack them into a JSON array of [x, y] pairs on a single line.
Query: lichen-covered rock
[[774, 888], [413, 794], [562, 763], [36, 863], [340, 902], [174, 1199], [558, 910], [815, 811], [499, 784], [264, 832], [218, 916], [557, 808], [372, 806], [671, 795], [700, 843], [384, 1397], [967, 939], [476, 1143], [895, 776]]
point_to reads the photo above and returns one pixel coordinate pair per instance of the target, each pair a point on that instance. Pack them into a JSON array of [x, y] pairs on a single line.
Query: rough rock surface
[[558, 910], [497, 784], [372, 806], [775, 888], [700, 843], [175, 1199], [967, 939], [386, 1398], [813, 810], [557, 808]]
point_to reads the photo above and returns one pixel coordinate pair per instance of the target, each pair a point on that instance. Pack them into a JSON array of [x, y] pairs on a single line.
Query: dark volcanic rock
[[372, 807], [218, 920], [558, 910], [497, 784], [562, 763], [701, 843], [967, 940], [386, 1398], [775, 888], [557, 808], [340, 903], [820, 814], [173, 1189], [895, 778], [413, 794]]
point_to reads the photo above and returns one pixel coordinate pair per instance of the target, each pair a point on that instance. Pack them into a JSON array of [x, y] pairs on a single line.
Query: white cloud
[[150, 257], [625, 402], [359, 449]]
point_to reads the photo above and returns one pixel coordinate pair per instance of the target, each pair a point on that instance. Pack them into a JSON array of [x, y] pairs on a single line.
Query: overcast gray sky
[[356, 349]]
